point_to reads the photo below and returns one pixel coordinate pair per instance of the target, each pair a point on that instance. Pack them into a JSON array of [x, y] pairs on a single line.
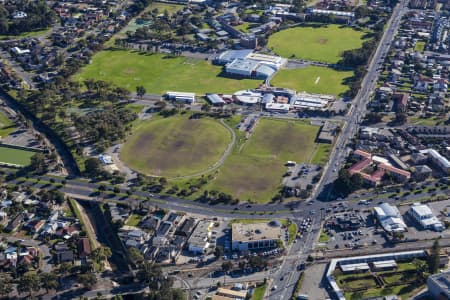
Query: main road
[[285, 287], [358, 109]]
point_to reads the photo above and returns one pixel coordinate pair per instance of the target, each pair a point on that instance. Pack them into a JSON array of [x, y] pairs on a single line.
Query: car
[[274, 288], [281, 278]]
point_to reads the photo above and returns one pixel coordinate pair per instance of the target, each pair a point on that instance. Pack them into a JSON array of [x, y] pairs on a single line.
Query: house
[[186, 228], [401, 102], [84, 248], [187, 98], [15, 224]]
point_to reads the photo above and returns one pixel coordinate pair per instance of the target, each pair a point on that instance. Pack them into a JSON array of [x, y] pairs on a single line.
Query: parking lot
[[352, 229]]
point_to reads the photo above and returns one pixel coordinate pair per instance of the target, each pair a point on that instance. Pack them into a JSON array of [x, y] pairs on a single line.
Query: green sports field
[[15, 156], [159, 74], [313, 79], [324, 43], [256, 171], [6, 125], [175, 146]]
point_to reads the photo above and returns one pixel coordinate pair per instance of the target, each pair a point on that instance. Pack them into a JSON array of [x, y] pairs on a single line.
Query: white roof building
[[438, 159], [278, 107], [390, 218], [425, 217]]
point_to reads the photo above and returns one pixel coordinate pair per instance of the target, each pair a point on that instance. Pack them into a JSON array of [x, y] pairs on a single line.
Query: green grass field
[[175, 146], [25, 34], [6, 125], [420, 46], [325, 43], [133, 220], [313, 79], [258, 293], [255, 173], [159, 74], [15, 156], [321, 155]]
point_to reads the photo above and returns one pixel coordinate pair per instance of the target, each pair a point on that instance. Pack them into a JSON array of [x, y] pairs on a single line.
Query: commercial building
[[425, 217], [311, 101], [199, 240], [277, 107], [439, 285], [390, 218], [188, 98], [437, 159], [247, 97], [215, 99], [251, 237]]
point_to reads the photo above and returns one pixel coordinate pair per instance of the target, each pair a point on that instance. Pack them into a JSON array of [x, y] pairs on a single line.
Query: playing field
[[175, 146], [6, 125], [255, 173], [313, 79], [324, 43], [15, 156], [159, 74]]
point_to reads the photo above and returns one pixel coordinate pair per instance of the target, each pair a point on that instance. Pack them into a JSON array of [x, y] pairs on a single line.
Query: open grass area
[[255, 171], [6, 125], [420, 46], [159, 74], [175, 146], [322, 43], [321, 155], [313, 79], [323, 237], [15, 156], [25, 34], [133, 220], [258, 293]]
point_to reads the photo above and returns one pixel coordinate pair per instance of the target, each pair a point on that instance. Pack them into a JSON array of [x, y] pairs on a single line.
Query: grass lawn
[[137, 108], [420, 46], [324, 43], [133, 220], [6, 125], [244, 27], [175, 146], [292, 229], [25, 34], [404, 291], [321, 155], [323, 237], [15, 156], [313, 79], [255, 172], [158, 74], [258, 293]]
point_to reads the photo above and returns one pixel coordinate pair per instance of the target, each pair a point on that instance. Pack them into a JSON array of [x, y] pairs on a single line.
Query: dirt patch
[[322, 41], [129, 71]]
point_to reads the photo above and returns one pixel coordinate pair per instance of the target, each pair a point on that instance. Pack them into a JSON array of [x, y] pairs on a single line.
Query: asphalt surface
[[358, 109]]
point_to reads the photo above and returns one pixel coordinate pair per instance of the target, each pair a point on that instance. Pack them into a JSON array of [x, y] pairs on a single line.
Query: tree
[[218, 252], [38, 164], [101, 254], [28, 283], [88, 280], [48, 281], [92, 167], [400, 118], [5, 287], [135, 255], [433, 259], [140, 91]]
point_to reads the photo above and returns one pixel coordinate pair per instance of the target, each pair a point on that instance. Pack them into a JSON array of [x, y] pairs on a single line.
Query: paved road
[[358, 110], [339, 153]]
